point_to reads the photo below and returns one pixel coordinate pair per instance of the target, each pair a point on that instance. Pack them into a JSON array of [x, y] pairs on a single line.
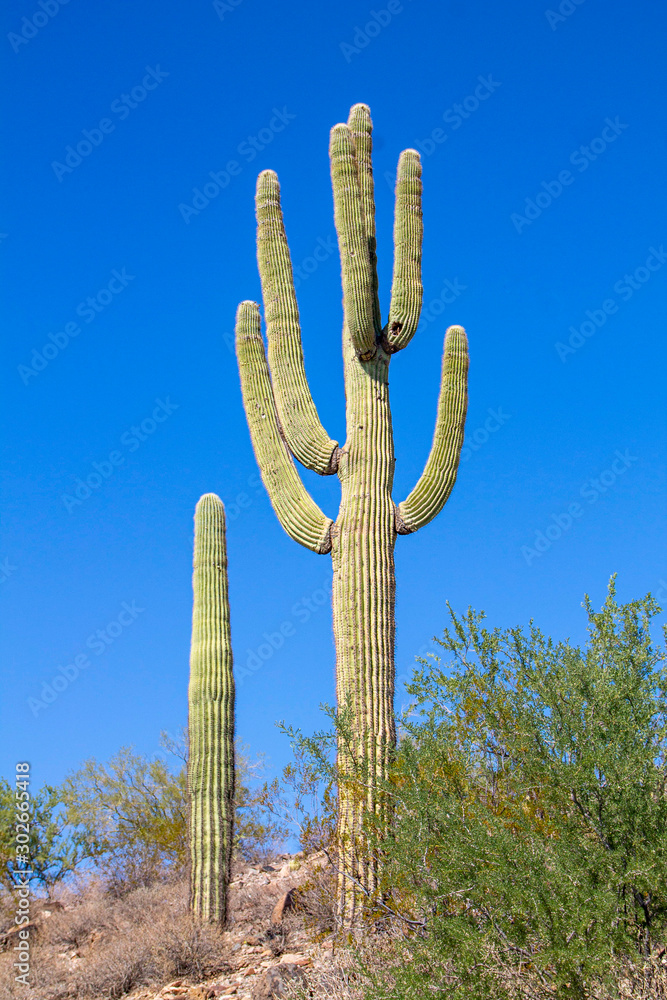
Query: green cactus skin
[[210, 718], [283, 423]]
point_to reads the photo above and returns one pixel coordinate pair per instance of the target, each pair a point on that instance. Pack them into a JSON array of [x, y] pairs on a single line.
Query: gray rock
[[272, 983]]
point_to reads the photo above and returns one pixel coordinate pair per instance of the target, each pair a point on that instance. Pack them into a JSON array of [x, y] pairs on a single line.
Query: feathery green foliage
[[531, 809], [130, 814], [131, 811], [528, 856], [53, 850]]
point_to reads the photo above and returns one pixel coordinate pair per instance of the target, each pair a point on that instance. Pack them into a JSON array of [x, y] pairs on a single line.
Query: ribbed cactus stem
[[352, 241], [363, 602], [210, 718], [406, 289], [361, 126], [307, 439], [437, 480], [282, 420], [299, 515]]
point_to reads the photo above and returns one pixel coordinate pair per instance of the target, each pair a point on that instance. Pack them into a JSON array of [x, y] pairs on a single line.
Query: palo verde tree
[[283, 423], [529, 845], [210, 718]]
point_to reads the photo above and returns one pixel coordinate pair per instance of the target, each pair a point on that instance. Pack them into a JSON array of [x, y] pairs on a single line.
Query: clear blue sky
[[544, 208]]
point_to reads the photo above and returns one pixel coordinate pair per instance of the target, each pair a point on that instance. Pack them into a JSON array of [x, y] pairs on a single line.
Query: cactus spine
[[283, 423], [210, 718]]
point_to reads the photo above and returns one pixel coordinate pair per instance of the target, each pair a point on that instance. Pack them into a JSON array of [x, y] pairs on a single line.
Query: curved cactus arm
[[305, 435], [360, 124], [297, 512], [436, 481], [406, 287], [352, 242]]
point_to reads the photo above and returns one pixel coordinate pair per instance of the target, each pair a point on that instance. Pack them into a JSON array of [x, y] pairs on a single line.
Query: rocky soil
[[279, 941], [268, 947]]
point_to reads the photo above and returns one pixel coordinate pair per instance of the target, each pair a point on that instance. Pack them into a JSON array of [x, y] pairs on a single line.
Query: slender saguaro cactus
[[283, 423], [210, 718]]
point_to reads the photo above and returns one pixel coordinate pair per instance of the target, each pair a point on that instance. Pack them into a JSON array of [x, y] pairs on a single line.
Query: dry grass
[[316, 898], [100, 947]]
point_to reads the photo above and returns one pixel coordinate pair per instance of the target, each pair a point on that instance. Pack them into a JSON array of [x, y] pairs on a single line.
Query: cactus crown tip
[[267, 185], [210, 499], [267, 178]]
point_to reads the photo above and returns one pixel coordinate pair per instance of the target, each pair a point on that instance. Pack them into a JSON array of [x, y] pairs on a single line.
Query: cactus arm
[[360, 124], [406, 288], [296, 510], [435, 484], [305, 436], [352, 242], [210, 718]]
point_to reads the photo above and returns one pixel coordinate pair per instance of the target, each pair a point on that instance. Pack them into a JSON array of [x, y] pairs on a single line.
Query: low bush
[[100, 947], [528, 851], [529, 786]]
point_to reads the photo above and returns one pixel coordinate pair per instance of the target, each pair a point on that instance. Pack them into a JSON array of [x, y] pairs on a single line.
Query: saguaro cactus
[[210, 718], [283, 423]]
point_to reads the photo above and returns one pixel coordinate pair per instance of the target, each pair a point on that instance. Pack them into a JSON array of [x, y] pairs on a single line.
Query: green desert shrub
[[53, 849], [528, 853], [531, 815], [125, 820], [133, 809]]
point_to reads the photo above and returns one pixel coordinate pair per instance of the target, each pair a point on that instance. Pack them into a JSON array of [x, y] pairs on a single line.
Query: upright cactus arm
[[435, 484], [352, 242], [406, 288], [360, 124], [297, 512], [305, 436]]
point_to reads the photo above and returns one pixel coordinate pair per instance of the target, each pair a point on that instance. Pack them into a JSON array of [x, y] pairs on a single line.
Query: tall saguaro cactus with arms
[[283, 423], [210, 718]]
